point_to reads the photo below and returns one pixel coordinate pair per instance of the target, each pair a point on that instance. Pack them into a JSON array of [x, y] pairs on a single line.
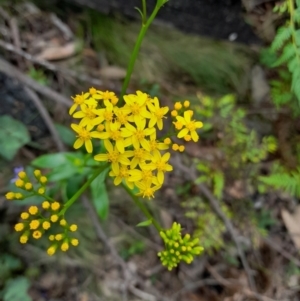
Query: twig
[[68, 34], [192, 286], [282, 252], [45, 115], [12, 71], [227, 283], [214, 203], [128, 277], [48, 65]]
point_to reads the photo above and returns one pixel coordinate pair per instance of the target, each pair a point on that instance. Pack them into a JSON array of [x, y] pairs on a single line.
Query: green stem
[[136, 49], [143, 208], [144, 11], [82, 189]]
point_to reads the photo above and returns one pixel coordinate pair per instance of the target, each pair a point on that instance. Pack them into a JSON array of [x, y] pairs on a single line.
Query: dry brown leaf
[[58, 52], [292, 223], [113, 72]]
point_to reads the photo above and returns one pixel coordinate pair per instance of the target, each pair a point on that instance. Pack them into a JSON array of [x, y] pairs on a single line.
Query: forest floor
[[58, 58]]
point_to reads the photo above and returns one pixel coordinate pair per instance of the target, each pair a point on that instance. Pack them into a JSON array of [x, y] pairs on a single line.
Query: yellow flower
[[139, 155], [55, 206], [19, 183], [167, 141], [74, 242], [34, 224], [177, 106], [113, 156], [65, 247], [43, 180], [146, 189], [158, 114], [22, 175], [23, 239], [58, 237], [85, 137], [54, 218], [89, 115], [175, 147], [79, 100], [19, 196], [73, 228], [122, 174], [45, 205], [186, 104], [181, 148], [46, 225], [156, 145], [41, 190], [63, 222], [19, 227], [24, 215], [137, 106], [33, 210], [108, 97], [160, 163], [122, 115], [137, 135], [37, 234], [37, 173], [10, 195], [174, 113], [51, 250], [190, 126], [28, 186], [115, 134]]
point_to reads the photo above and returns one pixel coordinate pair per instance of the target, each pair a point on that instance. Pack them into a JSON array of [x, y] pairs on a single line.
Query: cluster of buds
[[35, 222], [130, 135], [178, 248]]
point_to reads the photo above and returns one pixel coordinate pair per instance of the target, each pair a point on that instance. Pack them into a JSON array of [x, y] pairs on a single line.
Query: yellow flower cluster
[[184, 124], [129, 135], [23, 183], [178, 248], [36, 221]]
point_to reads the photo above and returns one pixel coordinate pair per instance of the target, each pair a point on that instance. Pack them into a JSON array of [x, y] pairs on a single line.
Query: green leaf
[[50, 160], [13, 135], [66, 134], [145, 223], [63, 172], [17, 290], [99, 195], [283, 34]]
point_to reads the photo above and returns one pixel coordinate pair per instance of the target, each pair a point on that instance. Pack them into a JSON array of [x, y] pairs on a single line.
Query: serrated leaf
[[99, 195], [17, 290], [283, 34], [145, 223], [66, 135], [13, 135], [287, 54]]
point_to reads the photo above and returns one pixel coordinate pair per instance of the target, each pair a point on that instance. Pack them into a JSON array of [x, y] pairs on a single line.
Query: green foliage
[[13, 135], [216, 66], [100, 196], [136, 247], [286, 45], [8, 264], [209, 228], [16, 290], [282, 179], [66, 135], [38, 75], [146, 223]]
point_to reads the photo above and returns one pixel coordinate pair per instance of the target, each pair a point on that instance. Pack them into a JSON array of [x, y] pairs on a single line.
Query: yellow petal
[[115, 168], [89, 146], [195, 136], [101, 157], [78, 143], [160, 177], [182, 133], [109, 147], [73, 108]]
